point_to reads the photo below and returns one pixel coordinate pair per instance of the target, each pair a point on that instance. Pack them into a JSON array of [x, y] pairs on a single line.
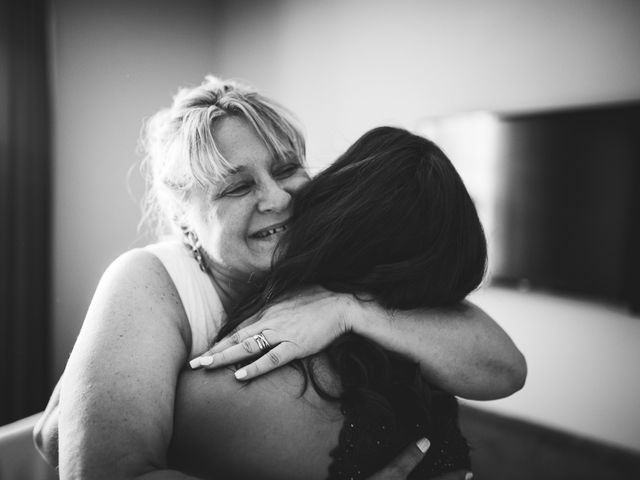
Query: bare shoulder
[[137, 283], [135, 311], [138, 267], [271, 425]]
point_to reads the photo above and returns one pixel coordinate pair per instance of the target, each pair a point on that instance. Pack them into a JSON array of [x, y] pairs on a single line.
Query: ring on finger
[[263, 343]]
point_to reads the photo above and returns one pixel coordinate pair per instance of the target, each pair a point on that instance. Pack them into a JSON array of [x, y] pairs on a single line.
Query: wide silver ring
[[263, 343]]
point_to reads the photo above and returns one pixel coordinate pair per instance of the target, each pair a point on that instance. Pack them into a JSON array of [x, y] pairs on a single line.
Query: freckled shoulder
[[139, 277]]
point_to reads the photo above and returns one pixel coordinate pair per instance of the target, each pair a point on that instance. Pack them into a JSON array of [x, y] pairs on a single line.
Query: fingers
[[277, 356], [403, 464], [235, 338], [247, 348], [225, 343]]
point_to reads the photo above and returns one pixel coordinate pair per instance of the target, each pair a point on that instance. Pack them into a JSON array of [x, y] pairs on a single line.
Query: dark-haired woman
[[390, 221]]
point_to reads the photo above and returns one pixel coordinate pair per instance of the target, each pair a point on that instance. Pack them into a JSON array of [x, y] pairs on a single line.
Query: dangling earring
[[194, 243]]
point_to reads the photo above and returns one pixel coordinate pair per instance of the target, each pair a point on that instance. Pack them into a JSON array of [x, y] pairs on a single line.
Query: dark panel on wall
[[569, 221]]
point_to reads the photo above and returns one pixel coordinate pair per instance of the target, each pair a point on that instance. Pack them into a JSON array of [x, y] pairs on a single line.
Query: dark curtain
[[632, 291], [25, 201]]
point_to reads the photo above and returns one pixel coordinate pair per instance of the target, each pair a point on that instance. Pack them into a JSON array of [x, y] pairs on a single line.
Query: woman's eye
[[287, 170], [237, 190]]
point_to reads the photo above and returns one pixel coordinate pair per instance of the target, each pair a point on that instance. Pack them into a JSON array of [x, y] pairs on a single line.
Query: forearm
[[459, 349]]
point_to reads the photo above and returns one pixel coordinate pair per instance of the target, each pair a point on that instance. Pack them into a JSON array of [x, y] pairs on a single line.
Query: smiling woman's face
[[240, 221]]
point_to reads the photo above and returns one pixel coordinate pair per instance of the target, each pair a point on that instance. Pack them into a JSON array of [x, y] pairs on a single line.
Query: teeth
[[271, 231]]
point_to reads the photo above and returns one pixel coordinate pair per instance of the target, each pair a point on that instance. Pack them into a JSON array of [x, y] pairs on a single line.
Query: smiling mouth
[[262, 234]]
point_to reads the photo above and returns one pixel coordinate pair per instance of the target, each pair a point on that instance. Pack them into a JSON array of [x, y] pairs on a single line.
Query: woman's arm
[[460, 349], [116, 399]]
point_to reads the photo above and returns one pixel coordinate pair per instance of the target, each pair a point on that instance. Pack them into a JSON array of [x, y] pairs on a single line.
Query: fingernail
[[423, 445], [206, 360], [468, 476], [195, 363], [240, 374]]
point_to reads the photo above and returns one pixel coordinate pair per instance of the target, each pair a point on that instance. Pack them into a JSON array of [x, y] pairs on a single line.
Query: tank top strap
[[197, 293]]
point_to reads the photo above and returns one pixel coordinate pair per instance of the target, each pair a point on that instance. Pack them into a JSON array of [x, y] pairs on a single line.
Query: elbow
[[515, 376], [506, 379]]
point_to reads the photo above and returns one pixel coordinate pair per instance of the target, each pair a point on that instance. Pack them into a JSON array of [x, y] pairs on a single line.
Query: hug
[[283, 326]]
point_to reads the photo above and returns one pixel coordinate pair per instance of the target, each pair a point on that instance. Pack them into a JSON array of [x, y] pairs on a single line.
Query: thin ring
[[263, 343]]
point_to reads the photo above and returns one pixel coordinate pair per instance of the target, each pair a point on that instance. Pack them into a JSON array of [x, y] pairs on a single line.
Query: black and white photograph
[[299, 240]]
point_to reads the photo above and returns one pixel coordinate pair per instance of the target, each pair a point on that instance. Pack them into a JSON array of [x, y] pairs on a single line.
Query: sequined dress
[[377, 427]]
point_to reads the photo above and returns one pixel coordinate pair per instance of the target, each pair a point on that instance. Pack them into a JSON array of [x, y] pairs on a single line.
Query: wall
[[342, 66], [114, 63], [582, 358]]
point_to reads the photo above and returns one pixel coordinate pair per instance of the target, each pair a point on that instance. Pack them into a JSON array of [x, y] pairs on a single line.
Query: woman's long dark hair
[[391, 221]]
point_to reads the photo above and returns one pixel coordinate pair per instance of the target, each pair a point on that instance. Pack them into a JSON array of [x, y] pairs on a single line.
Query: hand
[[294, 328], [403, 465]]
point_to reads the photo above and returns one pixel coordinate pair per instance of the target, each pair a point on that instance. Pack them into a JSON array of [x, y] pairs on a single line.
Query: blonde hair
[[180, 151]]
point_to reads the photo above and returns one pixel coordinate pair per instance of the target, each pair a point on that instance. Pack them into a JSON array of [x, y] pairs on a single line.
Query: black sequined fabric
[[377, 427]]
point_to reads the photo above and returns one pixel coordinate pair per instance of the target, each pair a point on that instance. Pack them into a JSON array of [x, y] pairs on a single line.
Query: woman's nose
[[273, 198]]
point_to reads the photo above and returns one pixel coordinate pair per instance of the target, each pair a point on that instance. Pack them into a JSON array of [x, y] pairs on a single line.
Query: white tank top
[[199, 298]]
